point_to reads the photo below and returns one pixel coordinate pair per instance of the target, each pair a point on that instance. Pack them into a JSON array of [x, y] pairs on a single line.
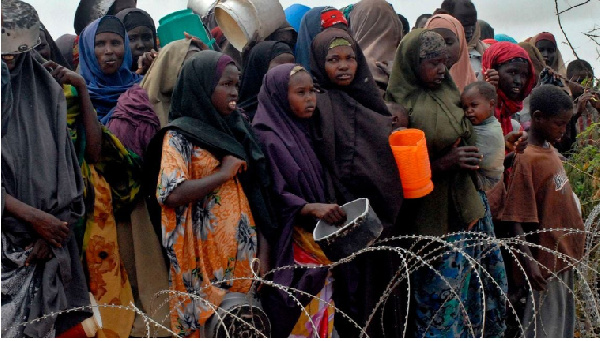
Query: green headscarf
[[454, 202]]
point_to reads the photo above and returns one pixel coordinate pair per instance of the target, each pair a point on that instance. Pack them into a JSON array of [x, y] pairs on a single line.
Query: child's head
[[225, 92], [399, 115], [578, 71], [302, 95], [478, 100], [551, 109]]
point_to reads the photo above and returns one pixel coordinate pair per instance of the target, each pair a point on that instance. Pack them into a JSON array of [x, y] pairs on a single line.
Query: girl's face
[[302, 95], [224, 97], [341, 65], [477, 108], [140, 40], [513, 78], [548, 51], [432, 71], [452, 43], [110, 51]]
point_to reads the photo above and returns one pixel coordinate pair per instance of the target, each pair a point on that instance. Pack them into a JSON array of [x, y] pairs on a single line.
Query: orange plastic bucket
[[410, 151]]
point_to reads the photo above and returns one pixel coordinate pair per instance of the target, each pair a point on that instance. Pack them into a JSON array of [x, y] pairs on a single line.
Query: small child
[[539, 197], [479, 101]]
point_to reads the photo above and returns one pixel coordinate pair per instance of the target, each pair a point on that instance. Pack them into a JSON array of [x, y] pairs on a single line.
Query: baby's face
[[477, 108]]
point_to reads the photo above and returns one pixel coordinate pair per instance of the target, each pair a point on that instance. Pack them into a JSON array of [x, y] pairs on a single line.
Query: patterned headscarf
[[432, 45]]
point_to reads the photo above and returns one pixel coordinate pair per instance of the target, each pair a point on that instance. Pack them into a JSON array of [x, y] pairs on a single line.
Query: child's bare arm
[[534, 275]]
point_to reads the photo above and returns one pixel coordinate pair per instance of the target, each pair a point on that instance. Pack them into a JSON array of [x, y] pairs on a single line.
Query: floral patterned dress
[[210, 243]]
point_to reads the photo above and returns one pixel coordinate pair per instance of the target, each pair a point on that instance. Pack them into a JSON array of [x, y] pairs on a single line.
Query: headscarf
[[462, 72], [377, 29], [310, 26], [354, 125], [493, 57], [40, 169], [294, 14], [558, 65], [504, 37], [162, 76], [134, 121], [55, 53], [454, 202], [332, 16], [363, 88], [297, 181], [536, 57], [135, 17], [104, 89], [194, 116], [65, 44], [255, 69]]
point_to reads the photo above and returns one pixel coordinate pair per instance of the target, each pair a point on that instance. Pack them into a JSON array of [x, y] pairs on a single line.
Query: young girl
[[352, 126], [286, 102], [209, 186], [421, 83]]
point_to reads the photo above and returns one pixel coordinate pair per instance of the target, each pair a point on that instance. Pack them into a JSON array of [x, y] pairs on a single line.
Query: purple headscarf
[[297, 180], [134, 121]]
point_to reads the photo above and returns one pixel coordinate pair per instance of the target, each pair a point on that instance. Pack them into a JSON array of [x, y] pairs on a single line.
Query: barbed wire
[[419, 252]]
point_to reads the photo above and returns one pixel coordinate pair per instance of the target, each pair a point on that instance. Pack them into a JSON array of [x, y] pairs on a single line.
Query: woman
[[352, 125], [104, 63], [516, 79], [160, 79], [49, 50], [141, 32], [546, 44], [458, 60], [42, 192], [378, 31], [263, 57], [421, 83], [211, 177], [286, 103]]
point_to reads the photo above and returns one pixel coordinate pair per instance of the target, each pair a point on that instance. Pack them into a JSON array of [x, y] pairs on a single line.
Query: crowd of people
[[131, 168]]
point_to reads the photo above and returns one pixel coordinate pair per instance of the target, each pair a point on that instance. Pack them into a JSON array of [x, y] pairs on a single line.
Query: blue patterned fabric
[[442, 311]]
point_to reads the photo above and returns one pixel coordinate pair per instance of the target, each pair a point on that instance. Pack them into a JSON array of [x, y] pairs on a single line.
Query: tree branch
[[570, 8], [561, 26]]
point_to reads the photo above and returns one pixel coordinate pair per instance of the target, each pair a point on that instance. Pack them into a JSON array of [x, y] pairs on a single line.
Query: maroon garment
[[134, 121]]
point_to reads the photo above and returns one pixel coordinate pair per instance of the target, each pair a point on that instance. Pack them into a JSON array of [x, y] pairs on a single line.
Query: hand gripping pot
[[361, 229], [239, 316]]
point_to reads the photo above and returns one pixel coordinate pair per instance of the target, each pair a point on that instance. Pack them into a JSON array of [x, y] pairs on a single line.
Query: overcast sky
[[517, 18]]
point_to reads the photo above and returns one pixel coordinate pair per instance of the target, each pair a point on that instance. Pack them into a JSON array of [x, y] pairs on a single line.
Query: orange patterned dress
[[210, 243]]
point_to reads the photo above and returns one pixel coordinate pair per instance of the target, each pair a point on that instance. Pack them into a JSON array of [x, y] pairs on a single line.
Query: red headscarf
[[545, 36], [496, 55], [332, 16]]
